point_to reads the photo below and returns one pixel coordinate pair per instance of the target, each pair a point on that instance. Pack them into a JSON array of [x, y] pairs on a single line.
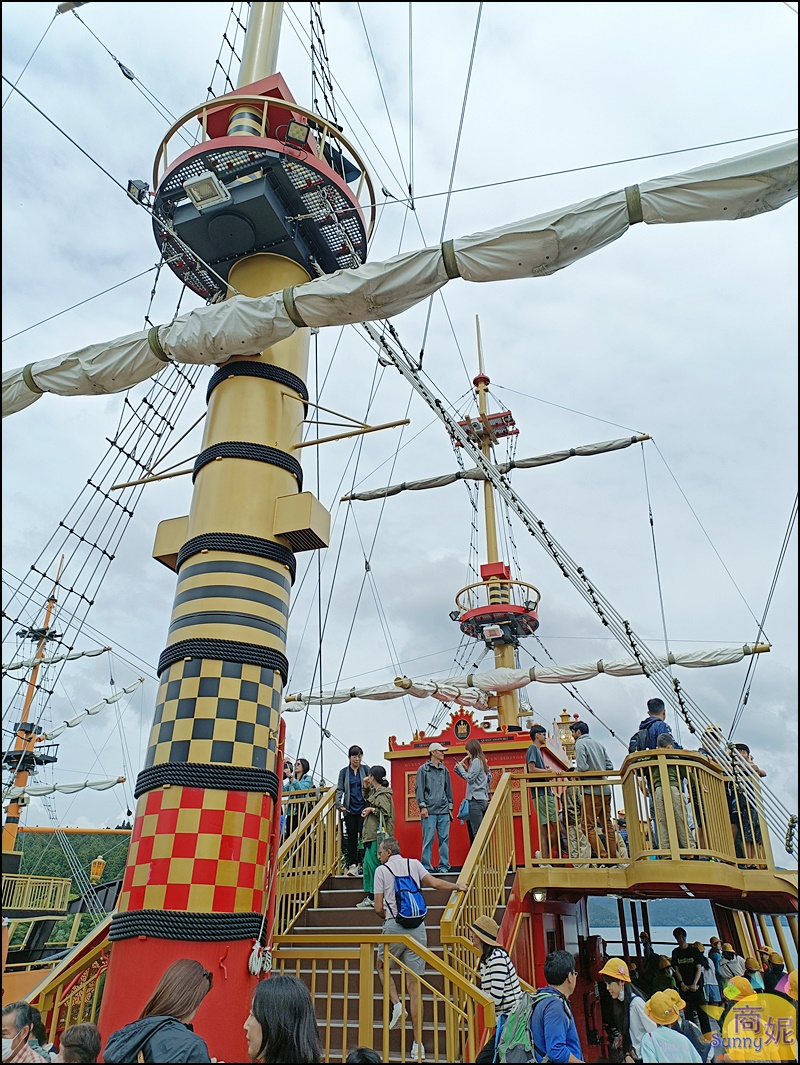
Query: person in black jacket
[[163, 1032], [351, 802]]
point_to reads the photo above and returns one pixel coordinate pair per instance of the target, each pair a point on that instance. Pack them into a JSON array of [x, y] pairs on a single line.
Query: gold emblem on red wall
[[462, 729]]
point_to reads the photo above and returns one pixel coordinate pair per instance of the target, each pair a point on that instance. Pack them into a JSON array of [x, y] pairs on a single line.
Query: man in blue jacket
[[555, 1037], [646, 739], [653, 726]]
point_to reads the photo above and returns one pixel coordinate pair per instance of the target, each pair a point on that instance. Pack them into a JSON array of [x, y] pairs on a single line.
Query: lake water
[[664, 943]]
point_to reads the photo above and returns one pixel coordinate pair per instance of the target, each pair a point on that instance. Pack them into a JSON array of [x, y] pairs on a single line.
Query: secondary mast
[[496, 609], [24, 757]]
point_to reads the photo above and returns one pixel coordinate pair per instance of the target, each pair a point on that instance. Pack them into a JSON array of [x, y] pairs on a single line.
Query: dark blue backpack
[[409, 902]]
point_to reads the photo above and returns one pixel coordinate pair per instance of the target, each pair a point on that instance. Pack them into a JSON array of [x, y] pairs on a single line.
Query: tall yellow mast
[[270, 208]]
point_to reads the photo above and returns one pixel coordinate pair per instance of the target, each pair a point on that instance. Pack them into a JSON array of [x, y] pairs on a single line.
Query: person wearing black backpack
[[646, 739], [401, 905]]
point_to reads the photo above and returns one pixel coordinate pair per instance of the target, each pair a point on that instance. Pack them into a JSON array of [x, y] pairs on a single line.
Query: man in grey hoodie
[[591, 756], [434, 793]]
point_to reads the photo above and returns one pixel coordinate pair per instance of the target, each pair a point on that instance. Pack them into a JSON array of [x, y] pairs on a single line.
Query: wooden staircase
[[335, 992]]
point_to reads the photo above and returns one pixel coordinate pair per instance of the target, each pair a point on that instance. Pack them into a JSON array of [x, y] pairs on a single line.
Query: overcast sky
[[684, 332]]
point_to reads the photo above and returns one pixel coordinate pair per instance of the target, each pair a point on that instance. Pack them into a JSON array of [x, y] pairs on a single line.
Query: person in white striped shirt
[[497, 975]]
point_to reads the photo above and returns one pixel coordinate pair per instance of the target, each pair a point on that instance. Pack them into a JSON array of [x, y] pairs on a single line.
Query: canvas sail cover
[[740, 187], [502, 467], [472, 688]]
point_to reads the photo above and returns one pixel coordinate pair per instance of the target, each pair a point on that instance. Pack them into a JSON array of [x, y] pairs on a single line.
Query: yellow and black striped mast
[[203, 838]]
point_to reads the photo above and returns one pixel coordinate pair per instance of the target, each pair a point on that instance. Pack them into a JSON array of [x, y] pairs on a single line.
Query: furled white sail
[[471, 688], [90, 711], [502, 467], [443, 690], [69, 656], [64, 789], [734, 188]]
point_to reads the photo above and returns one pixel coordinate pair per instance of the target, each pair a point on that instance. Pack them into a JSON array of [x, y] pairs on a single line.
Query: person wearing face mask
[[632, 1021], [664, 978], [17, 1030]]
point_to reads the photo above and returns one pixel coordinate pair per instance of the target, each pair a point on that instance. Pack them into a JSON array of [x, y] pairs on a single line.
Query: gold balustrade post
[[792, 920], [762, 924], [787, 957]]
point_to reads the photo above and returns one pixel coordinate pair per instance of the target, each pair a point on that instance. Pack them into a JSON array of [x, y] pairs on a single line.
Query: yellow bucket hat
[[616, 969], [664, 1008]]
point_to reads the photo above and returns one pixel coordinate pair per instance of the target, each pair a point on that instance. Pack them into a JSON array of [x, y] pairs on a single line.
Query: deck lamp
[[296, 133], [205, 190], [539, 894], [139, 191], [96, 868]]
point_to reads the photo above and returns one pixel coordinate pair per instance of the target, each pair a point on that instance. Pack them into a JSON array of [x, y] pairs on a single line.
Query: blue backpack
[[409, 902]]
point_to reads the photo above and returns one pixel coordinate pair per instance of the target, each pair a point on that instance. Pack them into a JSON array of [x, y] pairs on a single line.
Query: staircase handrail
[[469, 1013], [305, 860], [490, 858], [53, 991]]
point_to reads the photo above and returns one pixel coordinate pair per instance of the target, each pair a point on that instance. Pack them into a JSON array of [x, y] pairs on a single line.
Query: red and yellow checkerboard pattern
[[198, 850]]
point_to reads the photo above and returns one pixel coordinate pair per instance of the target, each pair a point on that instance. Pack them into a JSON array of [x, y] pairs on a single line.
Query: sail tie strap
[[633, 199], [155, 344], [291, 308], [450, 261], [27, 377]]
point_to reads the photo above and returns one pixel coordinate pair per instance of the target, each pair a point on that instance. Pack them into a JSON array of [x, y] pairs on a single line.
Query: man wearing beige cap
[[434, 794]]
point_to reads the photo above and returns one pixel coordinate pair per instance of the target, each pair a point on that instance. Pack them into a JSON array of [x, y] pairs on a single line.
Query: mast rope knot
[[633, 199], [450, 261], [295, 316], [155, 344], [27, 377]]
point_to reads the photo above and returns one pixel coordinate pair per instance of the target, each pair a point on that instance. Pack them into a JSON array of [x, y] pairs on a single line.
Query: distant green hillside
[[603, 912], [42, 854]]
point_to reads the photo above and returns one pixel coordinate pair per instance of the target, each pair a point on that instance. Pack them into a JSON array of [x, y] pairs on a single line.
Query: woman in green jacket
[[378, 817]]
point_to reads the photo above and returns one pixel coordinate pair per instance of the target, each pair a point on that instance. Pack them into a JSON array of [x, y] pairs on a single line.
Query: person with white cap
[[633, 1022], [434, 794], [497, 977]]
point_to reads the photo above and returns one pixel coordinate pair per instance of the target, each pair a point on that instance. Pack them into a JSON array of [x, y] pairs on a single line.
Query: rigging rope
[[776, 813], [453, 174], [658, 577], [751, 666], [30, 57]]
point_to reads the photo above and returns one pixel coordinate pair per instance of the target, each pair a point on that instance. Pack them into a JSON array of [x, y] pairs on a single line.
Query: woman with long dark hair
[[475, 770], [633, 1022], [302, 781], [164, 1032], [378, 821], [281, 1026], [497, 976]]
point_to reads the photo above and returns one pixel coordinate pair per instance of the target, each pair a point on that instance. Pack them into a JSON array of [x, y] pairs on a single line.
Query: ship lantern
[[97, 867], [564, 724]]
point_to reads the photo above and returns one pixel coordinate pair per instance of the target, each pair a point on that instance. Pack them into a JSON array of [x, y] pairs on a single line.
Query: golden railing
[[71, 993], [490, 858], [678, 805], [340, 971], [308, 856], [686, 807], [35, 892]]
